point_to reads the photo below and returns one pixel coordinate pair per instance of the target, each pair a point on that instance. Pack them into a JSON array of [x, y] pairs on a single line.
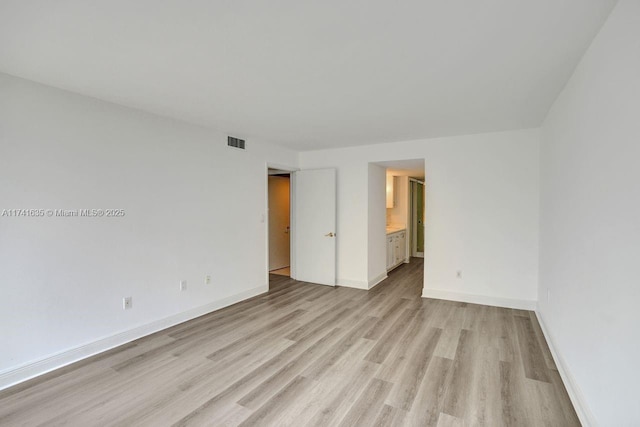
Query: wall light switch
[[183, 285], [127, 303]]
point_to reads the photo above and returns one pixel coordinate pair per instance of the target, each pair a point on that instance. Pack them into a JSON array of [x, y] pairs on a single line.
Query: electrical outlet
[[459, 274], [183, 285], [127, 303], [207, 280]]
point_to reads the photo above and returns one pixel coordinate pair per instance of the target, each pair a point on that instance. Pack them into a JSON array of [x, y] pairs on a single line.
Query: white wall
[[193, 207], [590, 224], [376, 243], [481, 210]]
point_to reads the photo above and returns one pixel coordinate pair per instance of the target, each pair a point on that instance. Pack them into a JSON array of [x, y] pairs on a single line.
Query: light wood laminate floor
[[285, 271], [311, 355]]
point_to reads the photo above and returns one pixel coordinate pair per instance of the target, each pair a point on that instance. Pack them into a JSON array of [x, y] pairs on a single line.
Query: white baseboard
[[376, 280], [27, 371], [577, 398], [357, 284], [479, 299], [362, 284]]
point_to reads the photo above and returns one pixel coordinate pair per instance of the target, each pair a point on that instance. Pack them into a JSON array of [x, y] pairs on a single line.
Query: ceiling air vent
[[235, 142]]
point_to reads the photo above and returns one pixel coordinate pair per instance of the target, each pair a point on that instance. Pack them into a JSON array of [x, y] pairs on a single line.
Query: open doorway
[[301, 225], [404, 234], [279, 205]]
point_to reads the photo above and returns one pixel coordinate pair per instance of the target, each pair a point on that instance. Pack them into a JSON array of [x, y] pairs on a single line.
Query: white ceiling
[[309, 74]]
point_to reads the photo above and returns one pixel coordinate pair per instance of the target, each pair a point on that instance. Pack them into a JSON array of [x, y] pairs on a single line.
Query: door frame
[[292, 220], [412, 213]]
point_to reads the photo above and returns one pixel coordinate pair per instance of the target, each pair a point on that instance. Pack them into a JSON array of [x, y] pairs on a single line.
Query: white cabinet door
[[390, 252], [315, 216], [396, 240], [396, 249]]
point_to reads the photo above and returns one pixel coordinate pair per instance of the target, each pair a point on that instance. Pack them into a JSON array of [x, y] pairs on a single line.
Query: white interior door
[[315, 236]]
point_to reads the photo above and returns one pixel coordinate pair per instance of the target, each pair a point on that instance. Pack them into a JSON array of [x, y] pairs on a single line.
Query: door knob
[[329, 235]]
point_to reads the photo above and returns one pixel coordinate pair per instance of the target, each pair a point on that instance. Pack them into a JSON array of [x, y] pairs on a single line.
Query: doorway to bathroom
[[416, 235]]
